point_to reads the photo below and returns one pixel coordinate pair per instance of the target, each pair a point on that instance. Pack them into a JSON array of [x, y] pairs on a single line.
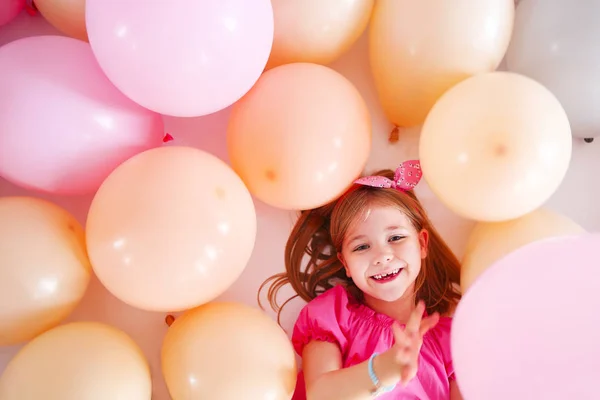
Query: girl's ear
[[340, 257], [424, 242]]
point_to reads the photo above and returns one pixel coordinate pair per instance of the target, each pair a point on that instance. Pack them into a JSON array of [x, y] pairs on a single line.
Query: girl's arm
[[454, 392], [326, 379]]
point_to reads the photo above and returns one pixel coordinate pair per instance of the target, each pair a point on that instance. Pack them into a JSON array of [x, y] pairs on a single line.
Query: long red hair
[[318, 235]]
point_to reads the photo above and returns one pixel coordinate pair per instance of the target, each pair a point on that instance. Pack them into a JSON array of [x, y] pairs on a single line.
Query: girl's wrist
[[387, 369]]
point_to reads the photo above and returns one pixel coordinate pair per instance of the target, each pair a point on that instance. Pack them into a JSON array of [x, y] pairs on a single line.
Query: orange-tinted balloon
[[300, 136], [170, 229], [44, 268], [317, 31], [421, 48], [78, 361], [68, 16], [495, 147], [228, 351]]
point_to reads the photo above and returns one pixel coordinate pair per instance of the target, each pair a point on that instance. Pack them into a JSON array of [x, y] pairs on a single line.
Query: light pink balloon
[[527, 329], [9, 9], [64, 125], [183, 58]]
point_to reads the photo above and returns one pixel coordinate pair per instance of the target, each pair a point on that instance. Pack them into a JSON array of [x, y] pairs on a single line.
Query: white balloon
[[557, 43]]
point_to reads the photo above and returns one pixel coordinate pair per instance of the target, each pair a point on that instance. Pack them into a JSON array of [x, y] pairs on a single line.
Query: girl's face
[[382, 253]]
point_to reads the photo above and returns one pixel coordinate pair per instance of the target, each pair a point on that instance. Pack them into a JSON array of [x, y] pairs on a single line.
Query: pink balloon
[[527, 328], [183, 58], [64, 126], [9, 9]]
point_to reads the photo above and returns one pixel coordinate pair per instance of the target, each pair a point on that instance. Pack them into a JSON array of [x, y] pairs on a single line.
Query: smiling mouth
[[387, 276]]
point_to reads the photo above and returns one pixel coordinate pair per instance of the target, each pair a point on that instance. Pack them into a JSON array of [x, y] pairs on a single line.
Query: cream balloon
[[300, 136], [490, 241], [317, 31], [44, 268], [495, 147], [228, 351], [78, 361], [420, 49], [170, 229], [68, 16]]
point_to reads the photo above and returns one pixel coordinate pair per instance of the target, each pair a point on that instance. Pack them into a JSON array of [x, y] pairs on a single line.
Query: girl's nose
[[383, 258]]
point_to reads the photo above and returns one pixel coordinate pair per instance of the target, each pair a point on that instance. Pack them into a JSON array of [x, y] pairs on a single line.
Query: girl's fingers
[[408, 341], [407, 374], [404, 356], [414, 321], [400, 335], [429, 323]]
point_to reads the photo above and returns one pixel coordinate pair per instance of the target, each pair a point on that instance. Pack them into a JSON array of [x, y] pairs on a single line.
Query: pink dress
[[337, 317]]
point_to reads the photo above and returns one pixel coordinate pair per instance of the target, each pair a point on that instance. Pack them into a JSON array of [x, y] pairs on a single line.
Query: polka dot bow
[[406, 177]]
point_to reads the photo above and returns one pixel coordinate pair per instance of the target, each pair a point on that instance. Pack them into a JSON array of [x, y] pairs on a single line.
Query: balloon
[[300, 137], [495, 147], [78, 361], [68, 16], [490, 241], [170, 229], [186, 58], [317, 31], [44, 269], [420, 49], [527, 330], [556, 43], [9, 9], [228, 351], [65, 127]]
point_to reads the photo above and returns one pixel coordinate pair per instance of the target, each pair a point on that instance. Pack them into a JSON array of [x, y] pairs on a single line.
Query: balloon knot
[[394, 135], [167, 138], [30, 7], [169, 319]]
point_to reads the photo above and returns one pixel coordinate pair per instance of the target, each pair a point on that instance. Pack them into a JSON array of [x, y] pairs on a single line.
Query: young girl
[[384, 331]]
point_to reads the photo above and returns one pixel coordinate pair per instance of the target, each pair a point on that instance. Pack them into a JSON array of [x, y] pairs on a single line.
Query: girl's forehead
[[378, 213]]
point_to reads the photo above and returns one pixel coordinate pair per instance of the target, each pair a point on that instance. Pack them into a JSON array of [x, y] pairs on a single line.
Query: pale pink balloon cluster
[[72, 111], [65, 127]]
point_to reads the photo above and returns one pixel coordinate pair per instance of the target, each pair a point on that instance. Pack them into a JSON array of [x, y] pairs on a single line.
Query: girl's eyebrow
[[357, 237]]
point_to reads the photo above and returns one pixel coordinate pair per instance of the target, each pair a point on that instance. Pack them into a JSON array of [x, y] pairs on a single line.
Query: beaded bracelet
[[379, 389]]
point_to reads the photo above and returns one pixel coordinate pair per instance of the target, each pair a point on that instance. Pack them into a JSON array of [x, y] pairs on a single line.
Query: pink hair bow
[[406, 177]]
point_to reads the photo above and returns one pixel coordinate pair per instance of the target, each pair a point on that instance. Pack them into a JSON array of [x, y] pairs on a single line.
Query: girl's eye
[[361, 247], [395, 238]]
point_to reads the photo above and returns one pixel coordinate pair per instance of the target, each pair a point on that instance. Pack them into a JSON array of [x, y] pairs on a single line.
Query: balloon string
[[394, 135]]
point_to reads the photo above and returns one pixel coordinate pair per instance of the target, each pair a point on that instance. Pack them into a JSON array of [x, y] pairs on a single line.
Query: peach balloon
[[490, 241], [228, 351], [300, 136], [317, 31], [420, 49], [78, 361], [170, 229], [44, 268], [495, 147], [68, 16]]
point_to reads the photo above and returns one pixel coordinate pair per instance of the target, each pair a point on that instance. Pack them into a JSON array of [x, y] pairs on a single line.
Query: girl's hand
[[408, 341]]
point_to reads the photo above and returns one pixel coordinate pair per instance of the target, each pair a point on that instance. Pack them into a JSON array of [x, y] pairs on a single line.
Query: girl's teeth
[[381, 276]]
